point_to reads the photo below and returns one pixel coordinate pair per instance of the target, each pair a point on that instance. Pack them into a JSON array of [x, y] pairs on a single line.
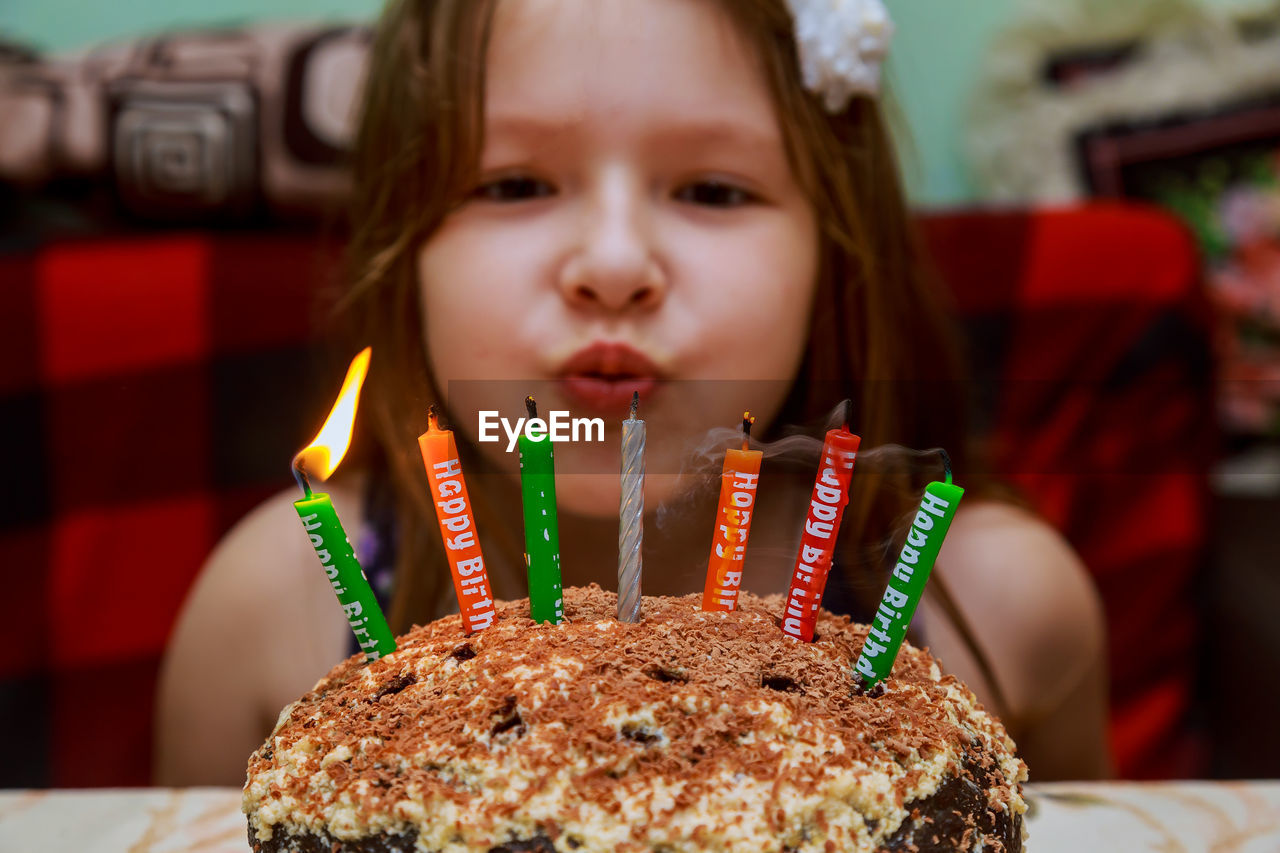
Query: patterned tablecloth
[[1232, 817]]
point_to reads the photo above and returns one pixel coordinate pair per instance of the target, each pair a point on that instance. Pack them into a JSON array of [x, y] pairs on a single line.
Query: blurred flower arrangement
[[1241, 237], [1229, 196]]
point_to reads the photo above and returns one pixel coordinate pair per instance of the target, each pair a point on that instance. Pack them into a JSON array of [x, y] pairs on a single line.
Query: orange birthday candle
[[738, 481], [457, 525]]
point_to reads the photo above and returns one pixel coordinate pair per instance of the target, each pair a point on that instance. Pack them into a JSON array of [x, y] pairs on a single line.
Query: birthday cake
[[688, 730]]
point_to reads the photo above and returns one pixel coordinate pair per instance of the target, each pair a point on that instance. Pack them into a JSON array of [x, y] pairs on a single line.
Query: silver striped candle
[[631, 516]]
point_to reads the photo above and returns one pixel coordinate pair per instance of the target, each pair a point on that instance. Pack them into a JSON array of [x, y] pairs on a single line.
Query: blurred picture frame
[[1218, 170]]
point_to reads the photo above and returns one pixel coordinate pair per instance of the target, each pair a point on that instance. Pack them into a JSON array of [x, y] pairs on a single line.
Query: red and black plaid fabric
[[1089, 329], [154, 388], [152, 391]]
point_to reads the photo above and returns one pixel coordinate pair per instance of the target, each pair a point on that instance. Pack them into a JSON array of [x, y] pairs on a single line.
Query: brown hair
[[878, 327]]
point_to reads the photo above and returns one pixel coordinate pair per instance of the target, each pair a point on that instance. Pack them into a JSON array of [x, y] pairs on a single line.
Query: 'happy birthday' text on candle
[[460, 536], [822, 526]]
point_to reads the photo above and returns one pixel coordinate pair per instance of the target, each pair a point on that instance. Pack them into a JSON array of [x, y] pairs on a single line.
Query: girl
[[612, 196]]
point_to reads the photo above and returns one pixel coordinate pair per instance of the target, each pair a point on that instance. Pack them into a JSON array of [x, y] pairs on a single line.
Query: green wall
[[937, 51], [936, 56], [55, 25]]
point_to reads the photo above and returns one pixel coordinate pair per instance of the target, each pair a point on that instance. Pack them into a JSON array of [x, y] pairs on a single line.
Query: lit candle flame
[[322, 456]]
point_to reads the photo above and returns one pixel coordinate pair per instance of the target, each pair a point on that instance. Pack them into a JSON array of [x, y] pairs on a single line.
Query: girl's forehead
[[623, 64]]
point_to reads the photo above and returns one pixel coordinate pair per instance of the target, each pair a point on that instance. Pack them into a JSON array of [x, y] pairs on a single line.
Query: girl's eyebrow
[[708, 132], [722, 133], [534, 127]]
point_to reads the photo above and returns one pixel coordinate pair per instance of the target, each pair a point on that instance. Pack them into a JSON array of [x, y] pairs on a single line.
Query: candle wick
[[530, 406], [635, 404], [848, 415], [946, 463], [300, 475], [747, 421], [433, 418]]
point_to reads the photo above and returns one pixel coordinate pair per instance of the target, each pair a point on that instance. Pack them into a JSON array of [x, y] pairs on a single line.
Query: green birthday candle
[[320, 520], [906, 584], [541, 530], [345, 575]]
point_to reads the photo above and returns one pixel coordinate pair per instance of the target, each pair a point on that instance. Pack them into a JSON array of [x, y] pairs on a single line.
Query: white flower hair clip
[[842, 45]]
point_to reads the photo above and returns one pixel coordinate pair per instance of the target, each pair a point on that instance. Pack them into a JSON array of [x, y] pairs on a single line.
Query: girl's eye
[[714, 194], [514, 188]]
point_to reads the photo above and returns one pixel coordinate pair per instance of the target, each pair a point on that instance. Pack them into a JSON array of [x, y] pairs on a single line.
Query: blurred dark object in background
[[235, 126], [1242, 601]]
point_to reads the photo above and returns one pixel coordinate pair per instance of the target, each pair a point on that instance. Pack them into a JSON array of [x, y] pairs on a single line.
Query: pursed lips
[[603, 376]]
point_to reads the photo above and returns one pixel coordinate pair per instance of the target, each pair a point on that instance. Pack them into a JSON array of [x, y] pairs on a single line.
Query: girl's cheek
[[750, 319], [469, 289]]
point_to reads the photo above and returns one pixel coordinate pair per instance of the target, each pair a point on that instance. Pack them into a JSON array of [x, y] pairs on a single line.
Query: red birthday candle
[[821, 527]]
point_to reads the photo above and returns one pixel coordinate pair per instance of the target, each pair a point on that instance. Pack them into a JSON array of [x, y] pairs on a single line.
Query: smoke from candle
[[703, 464], [798, 455]]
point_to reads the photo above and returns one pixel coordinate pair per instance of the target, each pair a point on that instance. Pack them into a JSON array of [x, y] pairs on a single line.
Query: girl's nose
[[615, 267]]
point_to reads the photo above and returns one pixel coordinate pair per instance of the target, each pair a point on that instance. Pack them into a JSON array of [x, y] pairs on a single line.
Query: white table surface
[[1215, 817]]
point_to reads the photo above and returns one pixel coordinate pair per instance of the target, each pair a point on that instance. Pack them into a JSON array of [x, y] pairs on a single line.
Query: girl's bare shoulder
[[258, 628], [267, 554], [1028, 597]]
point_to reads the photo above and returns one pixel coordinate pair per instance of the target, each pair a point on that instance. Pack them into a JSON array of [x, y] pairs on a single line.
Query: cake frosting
[[688, 730]]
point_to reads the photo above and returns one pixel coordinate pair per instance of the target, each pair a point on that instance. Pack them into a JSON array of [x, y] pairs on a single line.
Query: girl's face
[[635, 221]]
